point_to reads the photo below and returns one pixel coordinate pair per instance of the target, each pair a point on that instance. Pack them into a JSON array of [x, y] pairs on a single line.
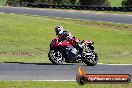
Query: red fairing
[[87, 42], [56, 43], [62, 44], [71, 42]]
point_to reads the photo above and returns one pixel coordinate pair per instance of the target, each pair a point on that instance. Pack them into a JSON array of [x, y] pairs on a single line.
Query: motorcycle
[[62, 52]]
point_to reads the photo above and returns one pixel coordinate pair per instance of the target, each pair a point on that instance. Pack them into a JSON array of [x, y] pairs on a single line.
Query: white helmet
[[58, 30]]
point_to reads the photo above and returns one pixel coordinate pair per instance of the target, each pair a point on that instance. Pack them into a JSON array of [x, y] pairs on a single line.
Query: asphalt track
[[45, 71], [115, 18], [50, 72]]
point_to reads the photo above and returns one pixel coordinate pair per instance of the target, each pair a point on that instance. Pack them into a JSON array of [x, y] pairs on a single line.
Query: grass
[[118, 12], [116, 2], [26, 38], [2, 2], [31, 84]]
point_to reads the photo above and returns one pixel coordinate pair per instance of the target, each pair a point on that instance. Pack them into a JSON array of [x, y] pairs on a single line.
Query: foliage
[[59, 2], [127, 3], [95, 2], [2, 2]]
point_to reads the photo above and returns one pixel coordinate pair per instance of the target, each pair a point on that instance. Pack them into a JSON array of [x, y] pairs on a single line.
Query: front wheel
[[90, 58], [56, 57]]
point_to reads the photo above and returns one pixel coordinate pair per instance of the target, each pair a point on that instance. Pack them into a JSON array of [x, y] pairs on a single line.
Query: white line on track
[[1, 12], [46, 80], [117, 64], [113, 64], [56, 80], [91, 20]]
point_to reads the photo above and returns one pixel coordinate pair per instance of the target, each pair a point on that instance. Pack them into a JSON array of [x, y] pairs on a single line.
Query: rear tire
[[56, 57]]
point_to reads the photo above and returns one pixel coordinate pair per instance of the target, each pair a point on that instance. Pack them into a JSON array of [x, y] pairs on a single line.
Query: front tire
[[56, 57], [89, 56]]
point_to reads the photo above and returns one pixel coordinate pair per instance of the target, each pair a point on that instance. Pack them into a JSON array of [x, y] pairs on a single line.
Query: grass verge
[[116, 3], [31, 84], [26, 38], [2, 2]]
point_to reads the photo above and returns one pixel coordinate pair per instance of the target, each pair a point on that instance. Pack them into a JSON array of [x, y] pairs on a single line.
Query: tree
[[73, 2], [95, 2], [55, 2], [127, 3]]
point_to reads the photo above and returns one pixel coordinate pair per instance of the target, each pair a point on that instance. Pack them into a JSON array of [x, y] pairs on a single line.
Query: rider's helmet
[[58, 30]]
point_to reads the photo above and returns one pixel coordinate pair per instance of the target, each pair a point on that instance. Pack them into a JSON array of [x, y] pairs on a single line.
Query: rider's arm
[[57, 38], [68, 35]]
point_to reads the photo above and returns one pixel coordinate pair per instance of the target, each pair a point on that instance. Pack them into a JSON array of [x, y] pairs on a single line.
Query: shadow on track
[[38, 63]]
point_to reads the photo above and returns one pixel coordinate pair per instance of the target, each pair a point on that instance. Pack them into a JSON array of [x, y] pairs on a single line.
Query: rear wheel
[[56, 57]]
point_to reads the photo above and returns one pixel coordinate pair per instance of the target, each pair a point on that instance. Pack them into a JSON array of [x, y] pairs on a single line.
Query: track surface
[[71, 14], [26, 71]]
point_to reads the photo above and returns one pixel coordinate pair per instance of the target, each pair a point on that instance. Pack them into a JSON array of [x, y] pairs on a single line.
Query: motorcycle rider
[[67, 36]]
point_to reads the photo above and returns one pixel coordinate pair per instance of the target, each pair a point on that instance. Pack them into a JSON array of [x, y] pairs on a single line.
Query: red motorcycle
[[67, 52]]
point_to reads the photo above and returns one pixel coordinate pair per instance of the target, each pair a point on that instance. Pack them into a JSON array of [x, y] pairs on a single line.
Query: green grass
[[116, 2], [26, 38], [118, 12], [2, 2], [31, 84]]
